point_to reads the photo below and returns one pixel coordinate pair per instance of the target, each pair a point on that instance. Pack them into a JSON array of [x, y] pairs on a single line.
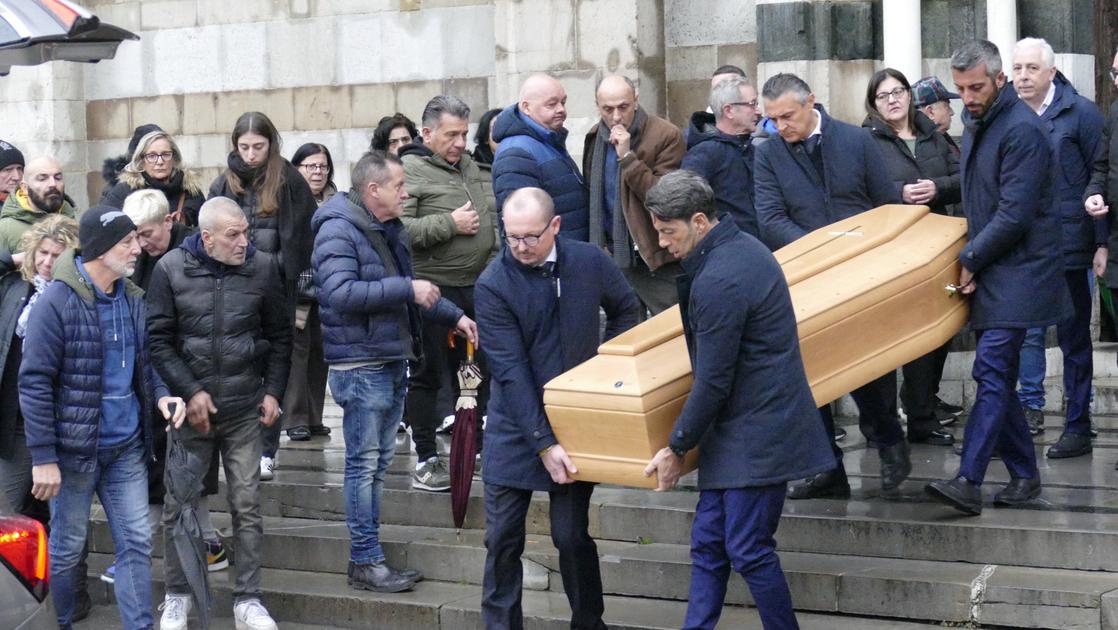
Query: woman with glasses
[[157, 164], [392, 133], [306, 384], [925, 171], [278, 204]]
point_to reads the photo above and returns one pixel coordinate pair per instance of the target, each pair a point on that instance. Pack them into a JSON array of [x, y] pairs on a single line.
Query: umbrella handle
[[469, 351]]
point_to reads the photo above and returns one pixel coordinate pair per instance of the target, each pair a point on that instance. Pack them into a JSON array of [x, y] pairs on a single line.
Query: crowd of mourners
[[173, 318]]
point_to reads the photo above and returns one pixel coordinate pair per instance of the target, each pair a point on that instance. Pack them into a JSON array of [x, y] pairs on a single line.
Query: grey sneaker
[[1035, 418], [431, 475]]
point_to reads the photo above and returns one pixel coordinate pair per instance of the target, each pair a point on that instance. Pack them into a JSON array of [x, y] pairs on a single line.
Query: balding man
[[625, 154], [221, 340], [41, 192], [533, 153], [537, 307]]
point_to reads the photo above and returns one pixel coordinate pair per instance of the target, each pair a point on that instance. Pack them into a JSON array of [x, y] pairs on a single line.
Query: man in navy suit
[[537, 306], [819, 171]]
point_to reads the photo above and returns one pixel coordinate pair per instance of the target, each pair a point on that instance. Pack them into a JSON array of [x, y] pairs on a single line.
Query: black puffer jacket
[[220, 328], [935, 159]]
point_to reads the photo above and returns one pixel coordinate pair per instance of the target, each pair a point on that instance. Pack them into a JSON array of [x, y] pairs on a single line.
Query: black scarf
[[171, 187], [247, 174]]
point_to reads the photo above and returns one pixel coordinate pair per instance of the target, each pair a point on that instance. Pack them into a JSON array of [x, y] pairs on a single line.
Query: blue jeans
[[120, 479], [1033, 367], [372, 402], [735, 529], [996, 420]]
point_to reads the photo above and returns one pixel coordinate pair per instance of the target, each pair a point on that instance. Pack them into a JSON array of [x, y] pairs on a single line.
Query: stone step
[[648, 569], [324, 598]]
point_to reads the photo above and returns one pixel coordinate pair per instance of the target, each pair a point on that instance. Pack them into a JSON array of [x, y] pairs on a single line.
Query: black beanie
[[9, 155], [101, 228], [138, 135]]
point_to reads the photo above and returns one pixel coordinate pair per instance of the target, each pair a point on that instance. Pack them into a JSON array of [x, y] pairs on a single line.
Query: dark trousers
[[877, 414], [505, 511], [305, 395], [735, 529], [1074, 335], [440, 362], [918, 392], [656, 289], [996, 420]]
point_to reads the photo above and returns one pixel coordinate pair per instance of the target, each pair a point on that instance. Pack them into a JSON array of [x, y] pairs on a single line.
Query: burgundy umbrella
[[463, 442]]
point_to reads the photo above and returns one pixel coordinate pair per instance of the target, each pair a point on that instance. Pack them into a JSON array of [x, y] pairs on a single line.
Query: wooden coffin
[[869, 294]]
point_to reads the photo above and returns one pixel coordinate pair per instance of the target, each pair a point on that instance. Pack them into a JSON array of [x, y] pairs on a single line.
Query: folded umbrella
[[183, 477], [463, 442]]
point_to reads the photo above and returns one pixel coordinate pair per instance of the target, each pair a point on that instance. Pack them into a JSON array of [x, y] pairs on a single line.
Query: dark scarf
[[622, 245], [247, 174], [171, 188]]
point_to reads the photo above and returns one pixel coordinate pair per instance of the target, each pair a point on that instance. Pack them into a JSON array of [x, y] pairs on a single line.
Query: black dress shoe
[[946, 413], [378, 577], [299, 434], [320, 429], [958, 493], [936, 437], [1070, 445], [895, 465], [840, 434], [1019, 491], [828, 485]]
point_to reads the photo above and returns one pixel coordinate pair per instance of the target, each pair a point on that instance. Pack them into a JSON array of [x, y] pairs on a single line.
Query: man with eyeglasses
[[723, 154], [452, 218], [625, 154], [821, 170], [537, 307], [42, 192]]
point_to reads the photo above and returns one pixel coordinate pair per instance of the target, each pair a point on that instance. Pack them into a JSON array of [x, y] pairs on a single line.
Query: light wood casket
[[869, 294]]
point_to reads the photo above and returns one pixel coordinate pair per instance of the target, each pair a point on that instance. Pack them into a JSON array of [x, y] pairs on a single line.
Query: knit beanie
[[9, 155], [138, 135], [101, 228]]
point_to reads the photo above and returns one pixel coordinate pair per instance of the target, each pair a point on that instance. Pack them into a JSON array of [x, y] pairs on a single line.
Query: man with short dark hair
[[537, 306], [720, 148], [625, 154], [371, 309], [221, 338], [87, 389], [821, 170], [1010, 268], [451, 216], [42, 192], [750, 411], [532, 152]]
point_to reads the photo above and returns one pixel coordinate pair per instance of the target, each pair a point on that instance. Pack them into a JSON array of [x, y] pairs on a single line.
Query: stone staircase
[[871, 562]]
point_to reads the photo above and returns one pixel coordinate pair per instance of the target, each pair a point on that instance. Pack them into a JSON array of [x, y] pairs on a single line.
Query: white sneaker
[[267, 465], [250, 614], [175, 609]]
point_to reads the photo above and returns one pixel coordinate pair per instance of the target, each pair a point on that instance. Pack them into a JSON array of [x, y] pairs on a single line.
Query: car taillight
[[23, 547]]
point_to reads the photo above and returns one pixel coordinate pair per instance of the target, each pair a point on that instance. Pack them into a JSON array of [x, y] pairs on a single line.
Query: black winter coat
[[1104, 181], [935, 159], [219, 328], [182, 191], [726, 162], [145, 263], [14, 291]]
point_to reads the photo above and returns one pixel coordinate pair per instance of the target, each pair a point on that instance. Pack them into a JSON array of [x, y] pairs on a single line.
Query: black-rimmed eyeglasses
[[530, 240], [894, 94], [750, 104], [152, 158]]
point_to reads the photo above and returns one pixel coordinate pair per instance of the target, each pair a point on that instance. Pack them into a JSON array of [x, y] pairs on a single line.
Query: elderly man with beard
[[41, 192]]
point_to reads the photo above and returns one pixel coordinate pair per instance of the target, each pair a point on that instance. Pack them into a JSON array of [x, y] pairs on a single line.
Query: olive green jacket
[[18, 215], [435, 190]]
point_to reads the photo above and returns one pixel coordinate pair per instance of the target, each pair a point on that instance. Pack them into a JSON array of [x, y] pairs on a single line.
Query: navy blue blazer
[[534, 327], [750, 411], [792, 200]]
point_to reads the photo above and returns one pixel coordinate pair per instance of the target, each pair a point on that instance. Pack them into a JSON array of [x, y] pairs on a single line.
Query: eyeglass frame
[[754, 104], [316, 168], [512, 241], [1113, 74], [895, 94], [153, 157]]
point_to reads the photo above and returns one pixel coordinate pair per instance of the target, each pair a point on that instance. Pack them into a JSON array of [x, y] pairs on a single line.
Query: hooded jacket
[[1075, 129], [726, 162], [437, 188], [182, 188], [934, 159], [368, 308], [60, 377], [1013, 233], [220, 328], [18, 215], [529, 155]]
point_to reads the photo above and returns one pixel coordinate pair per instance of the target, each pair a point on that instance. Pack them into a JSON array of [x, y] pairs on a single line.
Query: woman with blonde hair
[[157, 164]]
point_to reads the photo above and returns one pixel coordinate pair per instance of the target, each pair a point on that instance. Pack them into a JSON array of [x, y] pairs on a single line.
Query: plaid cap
[[929, 90]]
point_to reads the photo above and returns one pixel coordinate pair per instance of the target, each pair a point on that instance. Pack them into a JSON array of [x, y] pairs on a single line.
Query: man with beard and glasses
[[41, 192]]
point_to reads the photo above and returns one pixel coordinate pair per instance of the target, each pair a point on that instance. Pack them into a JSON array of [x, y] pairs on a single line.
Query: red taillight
[[23, 547]]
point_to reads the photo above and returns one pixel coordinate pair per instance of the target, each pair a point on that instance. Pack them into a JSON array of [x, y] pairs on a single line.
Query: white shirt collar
[[1048, 98], [818, 131], [553, 255]]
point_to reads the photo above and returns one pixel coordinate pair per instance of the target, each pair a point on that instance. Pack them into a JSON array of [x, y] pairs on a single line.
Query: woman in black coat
[[156, 163], [925, 171]]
